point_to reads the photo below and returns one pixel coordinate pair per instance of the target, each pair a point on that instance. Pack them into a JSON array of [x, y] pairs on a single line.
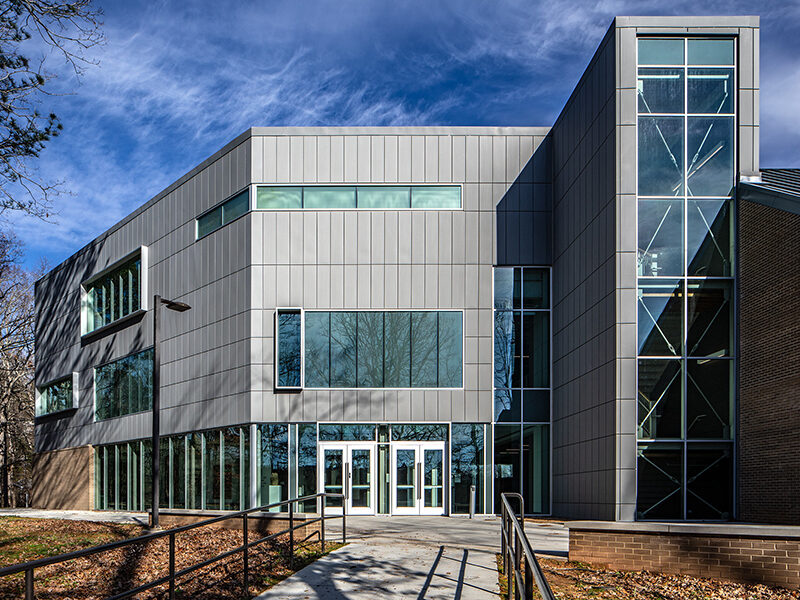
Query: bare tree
[[16, 372], [63, 28]]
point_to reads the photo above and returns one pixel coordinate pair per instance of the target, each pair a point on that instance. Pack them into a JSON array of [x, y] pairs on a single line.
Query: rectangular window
[[225, 213], [273, 465], [115, 294], [366, 197], [329, 197], [384, 197], [55, 397], [288, 342], [467, 451], [124, 386], [279, 197], [366, 349]]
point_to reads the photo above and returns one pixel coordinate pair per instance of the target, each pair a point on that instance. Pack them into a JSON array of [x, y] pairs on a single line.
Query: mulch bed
[[115, 571]]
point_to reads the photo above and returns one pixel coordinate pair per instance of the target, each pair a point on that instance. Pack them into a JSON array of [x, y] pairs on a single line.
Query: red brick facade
[[772, 561], [769, 376]]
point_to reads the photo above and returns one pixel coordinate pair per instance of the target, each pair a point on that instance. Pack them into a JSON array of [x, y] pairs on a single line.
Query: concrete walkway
[[139, 518], [412, 557]]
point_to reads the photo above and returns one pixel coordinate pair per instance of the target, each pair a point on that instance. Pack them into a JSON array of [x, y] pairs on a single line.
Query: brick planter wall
[[740, 553]]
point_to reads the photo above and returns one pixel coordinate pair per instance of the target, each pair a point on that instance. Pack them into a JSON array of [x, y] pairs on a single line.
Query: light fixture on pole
[[156, 443]]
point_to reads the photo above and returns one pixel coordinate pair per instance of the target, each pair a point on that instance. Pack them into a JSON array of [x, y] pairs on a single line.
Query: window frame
[[40, 395], [276, 354], [409, 185], [221, 205], [94, 385], [142, 253]]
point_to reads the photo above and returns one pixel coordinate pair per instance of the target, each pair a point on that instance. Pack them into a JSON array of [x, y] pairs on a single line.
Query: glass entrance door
[[418, 478], [349, 469]]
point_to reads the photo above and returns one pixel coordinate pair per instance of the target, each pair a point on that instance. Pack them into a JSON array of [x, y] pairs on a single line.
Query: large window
[[288, 342], [225, 213], [686, 174], [115, 294], [364, 349], [124, 386], [57, 396], [364, 197]]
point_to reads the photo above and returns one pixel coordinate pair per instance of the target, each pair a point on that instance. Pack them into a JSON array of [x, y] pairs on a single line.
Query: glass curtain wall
[[522, 388], [686, 96]]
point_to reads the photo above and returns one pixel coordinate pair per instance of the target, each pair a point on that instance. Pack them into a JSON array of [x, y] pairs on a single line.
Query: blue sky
[[177, 80]]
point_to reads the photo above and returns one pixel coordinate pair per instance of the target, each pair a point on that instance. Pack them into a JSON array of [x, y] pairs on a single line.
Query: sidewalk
[[139, 518]]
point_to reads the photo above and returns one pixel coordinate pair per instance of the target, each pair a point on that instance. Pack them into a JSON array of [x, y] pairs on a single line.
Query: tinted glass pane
[[307, 465], [536, 406], [194, 465], [209, 222], [232, 480], [124, 386], [536, 468], [660, 52], [405, 473], [178, 472], [710, 156], [504, 288], [370, 349], [709, 238], [397, 349], [507, 346], [423, 349], [343, 349], [660, 156], [235, 207], [279, 197], [710, 91], [211, 466], [660, 90], [436, 197], [329, 197], [709, 318], [347, 433], [507, 406], [289, 350], [273, 447], [57, 396], [659, 400], [536, 288], [450, 349], [659, 482], [384, 197], [709, 409], [507, 446], [536, 349], [317, 353], [467, 466], [123, 477], [710, 52], [660, 238], [425, 433], [709, 481], [660, 317]]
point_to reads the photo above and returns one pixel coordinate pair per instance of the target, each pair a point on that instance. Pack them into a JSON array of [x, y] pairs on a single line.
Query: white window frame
[[38, 390]]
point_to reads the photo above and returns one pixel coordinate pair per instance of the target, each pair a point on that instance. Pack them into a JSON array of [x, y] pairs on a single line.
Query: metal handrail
[[515, 546], [29, 567]]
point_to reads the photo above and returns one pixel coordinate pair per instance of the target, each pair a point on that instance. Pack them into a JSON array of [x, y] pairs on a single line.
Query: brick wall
[[63, 479], [772, 561], [769, 377]]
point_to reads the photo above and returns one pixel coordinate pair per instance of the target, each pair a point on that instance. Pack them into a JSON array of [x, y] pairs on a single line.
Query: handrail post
[[291, 535], [171, 566], [322, 527], [517, 563], [528, 580], [512, 574], [245, 558], [344, 521], [29, 585]]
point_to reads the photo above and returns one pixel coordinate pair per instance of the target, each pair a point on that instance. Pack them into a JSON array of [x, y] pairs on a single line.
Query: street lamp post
[[156, 443]]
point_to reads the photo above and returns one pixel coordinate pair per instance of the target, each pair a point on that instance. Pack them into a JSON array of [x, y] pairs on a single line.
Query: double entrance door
[[416, 483]]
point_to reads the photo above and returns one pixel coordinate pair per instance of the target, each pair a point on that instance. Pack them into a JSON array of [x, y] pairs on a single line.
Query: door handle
[[346, 481], [419, 481]]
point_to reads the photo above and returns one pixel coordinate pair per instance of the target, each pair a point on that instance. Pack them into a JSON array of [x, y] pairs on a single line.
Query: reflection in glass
[[660, 90], [279, 197], [536, 461], [209, 222], [318, 350], [333, 465], [423, 349], [124, 386], [507, 441], [234, 441], [660, 249], [194, 463], [307, 465], [660, 156], [709, 318], [436, 197], [397, 351], [654, 51], [384, 197], [467, 466], [423, 433], [433, 478], [536, 288], [709, 408], [536, 406], [507, 346], [536, 349], [507, 406], [273, 465], [660, 482], [329, 197], [289, 349], [710, 156], [710, 51], [708, 238], [343, 349], [710, 91], [370, 349], [211, 467], [660, 317], [709, 481], [236, 207], [659, 399], [504, 288], [405, 487], [178, 472], [450, 350], [361, 483]]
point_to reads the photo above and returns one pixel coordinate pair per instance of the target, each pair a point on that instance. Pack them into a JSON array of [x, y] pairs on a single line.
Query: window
[[225, 213], [115, 293], [366, 349], [124, 387], [288, 366], [367, 197], [57, 396]]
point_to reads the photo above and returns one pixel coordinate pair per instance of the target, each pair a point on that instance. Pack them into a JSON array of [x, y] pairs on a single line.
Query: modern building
[[403, 313]]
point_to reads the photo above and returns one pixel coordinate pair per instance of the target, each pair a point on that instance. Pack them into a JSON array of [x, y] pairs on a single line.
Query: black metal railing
[[29, 567], [519, 562]]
